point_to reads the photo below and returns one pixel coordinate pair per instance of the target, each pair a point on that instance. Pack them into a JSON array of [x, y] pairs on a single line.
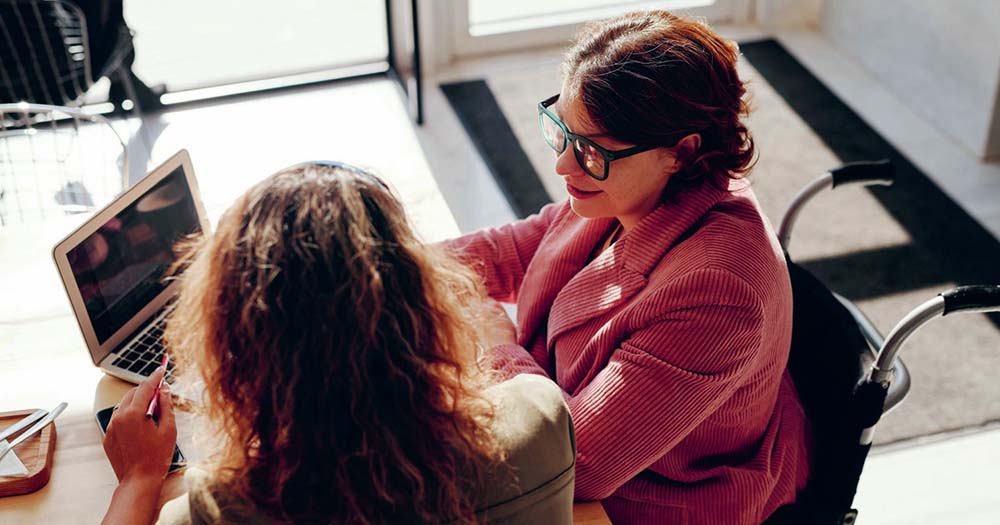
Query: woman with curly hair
[[657, 296], [338, 356]]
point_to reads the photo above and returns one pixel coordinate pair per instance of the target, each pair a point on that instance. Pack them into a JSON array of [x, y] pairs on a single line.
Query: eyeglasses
[[595, 160]]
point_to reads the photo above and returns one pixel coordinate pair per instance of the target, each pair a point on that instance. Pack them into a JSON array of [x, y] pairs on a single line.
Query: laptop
[[114, 268]]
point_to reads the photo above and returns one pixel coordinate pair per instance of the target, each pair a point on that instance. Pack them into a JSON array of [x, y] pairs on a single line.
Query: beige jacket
[[532, 425]]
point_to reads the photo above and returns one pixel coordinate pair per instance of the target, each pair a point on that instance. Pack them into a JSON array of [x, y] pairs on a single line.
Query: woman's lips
[[581, 194]]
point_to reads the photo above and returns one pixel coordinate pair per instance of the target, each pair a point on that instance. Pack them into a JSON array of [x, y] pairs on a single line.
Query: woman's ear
[[690, 144], [685, 151]]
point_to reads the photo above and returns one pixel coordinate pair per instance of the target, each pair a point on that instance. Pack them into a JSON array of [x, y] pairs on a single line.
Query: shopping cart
[[846, 373]]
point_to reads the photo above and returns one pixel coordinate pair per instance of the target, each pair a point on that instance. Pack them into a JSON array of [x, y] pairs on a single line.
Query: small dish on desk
[[36, 454]]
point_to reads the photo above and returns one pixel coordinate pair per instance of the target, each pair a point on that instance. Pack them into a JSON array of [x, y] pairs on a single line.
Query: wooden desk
[[43, 360]]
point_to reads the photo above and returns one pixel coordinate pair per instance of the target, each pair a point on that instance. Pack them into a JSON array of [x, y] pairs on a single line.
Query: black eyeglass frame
[[609, 155]]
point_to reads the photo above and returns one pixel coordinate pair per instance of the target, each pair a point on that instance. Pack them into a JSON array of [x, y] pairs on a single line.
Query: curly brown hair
[[337, 353], [652, 78]]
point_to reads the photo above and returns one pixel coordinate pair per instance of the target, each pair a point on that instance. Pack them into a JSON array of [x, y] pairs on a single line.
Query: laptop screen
[[120, 268]]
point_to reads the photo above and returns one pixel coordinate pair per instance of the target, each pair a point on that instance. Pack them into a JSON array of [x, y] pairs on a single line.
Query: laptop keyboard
[[144, 354]]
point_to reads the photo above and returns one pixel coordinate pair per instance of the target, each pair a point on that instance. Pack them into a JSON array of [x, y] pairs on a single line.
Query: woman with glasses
[[657, 296], [338, 356]]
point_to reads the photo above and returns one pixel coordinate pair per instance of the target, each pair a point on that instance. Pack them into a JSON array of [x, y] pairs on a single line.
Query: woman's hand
[[138, 447], [498, 328], [140, 450]]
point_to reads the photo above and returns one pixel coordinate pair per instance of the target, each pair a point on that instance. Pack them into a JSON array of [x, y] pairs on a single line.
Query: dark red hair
[[652, 78]]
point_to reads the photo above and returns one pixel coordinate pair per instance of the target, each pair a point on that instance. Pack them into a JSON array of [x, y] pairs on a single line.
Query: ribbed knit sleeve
[[662, 381], [500, 255]]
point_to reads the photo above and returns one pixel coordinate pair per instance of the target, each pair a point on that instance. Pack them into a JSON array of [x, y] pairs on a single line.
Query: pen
[[154, 403]]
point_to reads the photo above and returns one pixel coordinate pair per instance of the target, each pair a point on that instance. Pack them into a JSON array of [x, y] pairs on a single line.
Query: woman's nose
[[566, 164]]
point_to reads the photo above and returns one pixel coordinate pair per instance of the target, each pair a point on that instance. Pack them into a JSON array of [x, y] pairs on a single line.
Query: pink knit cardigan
[[670, 348]]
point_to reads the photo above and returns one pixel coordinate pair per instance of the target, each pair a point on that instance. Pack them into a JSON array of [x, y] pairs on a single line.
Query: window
[[489, 26], [192, 44], [491, 17]]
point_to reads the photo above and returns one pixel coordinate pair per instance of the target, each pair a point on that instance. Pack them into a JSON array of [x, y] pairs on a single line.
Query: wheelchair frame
[[886, 381]]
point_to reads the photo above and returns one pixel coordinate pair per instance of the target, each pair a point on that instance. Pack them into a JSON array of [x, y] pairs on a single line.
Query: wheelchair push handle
[[982, 297], [873, 172], [879, 172], [975, 298]]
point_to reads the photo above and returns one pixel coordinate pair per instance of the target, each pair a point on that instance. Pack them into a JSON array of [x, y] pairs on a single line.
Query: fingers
[[126, 399], [146, 388], [167, 422]]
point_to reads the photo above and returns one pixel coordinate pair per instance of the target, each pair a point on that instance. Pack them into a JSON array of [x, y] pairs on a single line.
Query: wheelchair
[[846, 373]]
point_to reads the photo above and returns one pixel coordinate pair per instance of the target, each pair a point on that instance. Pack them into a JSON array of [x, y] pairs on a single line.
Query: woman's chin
[[587, 209]]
